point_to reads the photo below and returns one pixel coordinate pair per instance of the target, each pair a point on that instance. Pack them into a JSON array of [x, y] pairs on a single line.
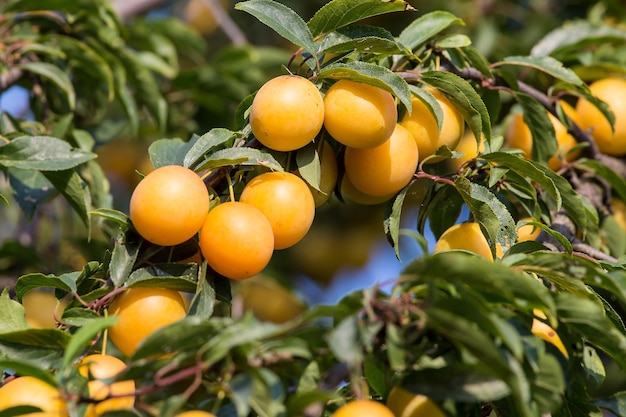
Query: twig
[[229, 27]]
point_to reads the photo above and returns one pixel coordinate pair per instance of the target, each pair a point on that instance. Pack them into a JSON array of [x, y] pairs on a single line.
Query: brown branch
[[7, 79]]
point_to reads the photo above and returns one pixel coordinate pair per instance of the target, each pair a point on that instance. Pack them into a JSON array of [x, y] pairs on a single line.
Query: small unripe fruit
[[237, 240], [359, 115], [287, 113], [386, 168], [169, 205]]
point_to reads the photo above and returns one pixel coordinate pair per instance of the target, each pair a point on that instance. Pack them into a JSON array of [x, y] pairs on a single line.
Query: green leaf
[[83, 338], [123, 258], [545, 64], [188, 333], [338, 13], [528, 169], [430, 102], [203, 302], [26, 369], [544, 144], [11, 313], [55, 75], [589, 319], [616, 181], [489, 211], [309, 166], [345, 343], [282, 20], [75, 191], [422, 29], [497, 280], [115, 216], [212, 139], [179, 277], [168, 152], [575, 36], [460, 382], [32, 281], [361, 38], [465, 99], [371, 74], [42, 153], [453, 41], [391, 223], [240, 156], [30, 188]]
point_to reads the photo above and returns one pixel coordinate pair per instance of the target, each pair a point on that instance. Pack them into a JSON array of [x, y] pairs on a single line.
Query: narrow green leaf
[[616, 181], [430, 102], [203, 302], [115, 216], [55, 75], [454, 41], [282, 20], [422, 29], [541, 128], [123, 258], [545, 64], [345, 343], [240, 156], [309, 166], [83, 338], [371, 74], [338, 13], [528, 169], [30, 188], [43, 153], [391, 223]]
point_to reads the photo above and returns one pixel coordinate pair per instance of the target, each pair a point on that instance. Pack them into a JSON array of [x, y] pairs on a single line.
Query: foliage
[[455, 327]]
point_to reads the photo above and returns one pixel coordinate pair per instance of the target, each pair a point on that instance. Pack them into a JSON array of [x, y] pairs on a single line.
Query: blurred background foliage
[[204, 69]]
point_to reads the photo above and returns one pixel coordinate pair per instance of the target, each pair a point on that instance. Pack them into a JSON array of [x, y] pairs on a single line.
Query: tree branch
[[7, 79]]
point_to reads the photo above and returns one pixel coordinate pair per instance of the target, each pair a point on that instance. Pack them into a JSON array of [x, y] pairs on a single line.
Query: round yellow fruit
[[42, 309], [528, 231], [619, 212], [237, 240], [169, 206], [386, 168], [200, 16], [363, 408], [518, 136], [611, 90], [469, 148], [423, 126], [351, 194], [406, 404], [359, 115], [141, 312], [287, 113], [98, 368], [269, 300], [547, 333], [195, 413], [286, 201], [28, 390], [466, 236]]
